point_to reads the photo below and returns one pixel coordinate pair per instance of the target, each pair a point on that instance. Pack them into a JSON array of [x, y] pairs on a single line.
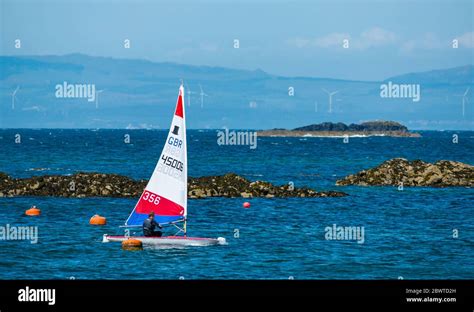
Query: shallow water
[[407, 233]]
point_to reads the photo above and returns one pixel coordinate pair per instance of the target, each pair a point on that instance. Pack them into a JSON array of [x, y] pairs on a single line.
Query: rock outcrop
[[365, 126], [443, 173], [386, 128], [112, 185]]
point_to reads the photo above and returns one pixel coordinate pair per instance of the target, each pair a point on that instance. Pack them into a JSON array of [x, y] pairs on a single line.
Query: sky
[[288, 38]]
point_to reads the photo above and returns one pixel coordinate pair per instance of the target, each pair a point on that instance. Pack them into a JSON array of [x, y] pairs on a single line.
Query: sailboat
[[166, 193]]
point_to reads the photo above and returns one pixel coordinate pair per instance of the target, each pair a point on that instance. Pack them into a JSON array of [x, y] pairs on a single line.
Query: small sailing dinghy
[[166, 193]]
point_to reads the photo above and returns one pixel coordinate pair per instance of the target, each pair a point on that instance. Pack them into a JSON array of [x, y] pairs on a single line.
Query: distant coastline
[[137, 104], [329, 129]]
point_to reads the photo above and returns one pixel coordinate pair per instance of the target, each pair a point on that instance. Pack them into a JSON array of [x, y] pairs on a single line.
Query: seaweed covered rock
[[443, 173], [111, 185]]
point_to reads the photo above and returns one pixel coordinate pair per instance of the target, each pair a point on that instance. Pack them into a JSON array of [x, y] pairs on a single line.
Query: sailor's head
[[151, 215]]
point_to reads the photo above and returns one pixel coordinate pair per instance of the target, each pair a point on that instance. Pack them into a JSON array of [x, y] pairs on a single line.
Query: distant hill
[[141, 94], [452, 76]]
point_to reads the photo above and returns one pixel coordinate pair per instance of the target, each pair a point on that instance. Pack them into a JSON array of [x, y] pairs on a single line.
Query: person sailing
[[149, 226]]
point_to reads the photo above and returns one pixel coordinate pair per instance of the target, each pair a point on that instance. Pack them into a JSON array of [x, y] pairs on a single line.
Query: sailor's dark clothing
[[149, 228]]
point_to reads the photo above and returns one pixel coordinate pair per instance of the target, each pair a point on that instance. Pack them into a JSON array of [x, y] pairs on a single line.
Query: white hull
[[167, 240]]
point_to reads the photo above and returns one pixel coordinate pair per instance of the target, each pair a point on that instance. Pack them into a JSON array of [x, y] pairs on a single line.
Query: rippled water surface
[[407, 233]]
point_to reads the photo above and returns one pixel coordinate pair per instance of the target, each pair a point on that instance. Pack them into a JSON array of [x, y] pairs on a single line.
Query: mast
[[185, 162]]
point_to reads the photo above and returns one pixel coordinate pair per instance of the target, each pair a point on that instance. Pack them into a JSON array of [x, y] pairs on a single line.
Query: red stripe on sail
[[179, 106], [158, 204]]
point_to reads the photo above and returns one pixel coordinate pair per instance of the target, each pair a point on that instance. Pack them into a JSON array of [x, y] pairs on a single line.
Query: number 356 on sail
[[152, 198]]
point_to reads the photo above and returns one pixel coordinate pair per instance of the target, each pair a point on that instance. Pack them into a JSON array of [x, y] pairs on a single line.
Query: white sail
[[167, 189]]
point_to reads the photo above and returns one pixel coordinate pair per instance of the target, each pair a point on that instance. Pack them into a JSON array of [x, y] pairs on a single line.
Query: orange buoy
[[132, 244], [33, 211], [97, 220], [246, 205]]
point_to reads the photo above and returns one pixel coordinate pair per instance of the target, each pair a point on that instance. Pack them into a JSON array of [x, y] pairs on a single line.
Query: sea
[[409, 233]]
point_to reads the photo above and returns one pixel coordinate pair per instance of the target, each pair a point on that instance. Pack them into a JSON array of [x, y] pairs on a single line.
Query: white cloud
[[429, 41], [299, 42], [373, 37], [208, 47], [186, 50], [408, 46], [331, 40], [380, 37]]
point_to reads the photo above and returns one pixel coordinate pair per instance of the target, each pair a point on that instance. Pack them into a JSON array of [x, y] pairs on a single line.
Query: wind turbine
[[14, 97], [189, 92], [97, 98], [330, 94], [464, 100], [202, 94]]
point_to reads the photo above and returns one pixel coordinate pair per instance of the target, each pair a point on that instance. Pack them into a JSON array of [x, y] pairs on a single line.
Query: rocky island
[[443, 173], [111, 185], [339, 129]]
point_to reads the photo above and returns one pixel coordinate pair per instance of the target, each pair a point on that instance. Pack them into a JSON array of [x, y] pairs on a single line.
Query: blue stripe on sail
[[138, 218]]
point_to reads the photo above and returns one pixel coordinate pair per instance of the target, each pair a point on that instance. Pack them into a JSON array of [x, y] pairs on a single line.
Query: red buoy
[[97, 220], [246, 205], [33, 211], [132, 244]]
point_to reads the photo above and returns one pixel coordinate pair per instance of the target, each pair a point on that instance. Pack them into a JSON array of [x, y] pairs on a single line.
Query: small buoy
[[33, 211], [132, 244], [246, 205], [98, 220]]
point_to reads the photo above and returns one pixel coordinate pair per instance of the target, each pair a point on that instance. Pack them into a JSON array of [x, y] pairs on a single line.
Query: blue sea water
[[407, 234]]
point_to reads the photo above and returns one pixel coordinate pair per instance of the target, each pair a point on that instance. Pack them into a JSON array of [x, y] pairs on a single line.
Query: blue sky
[[292, 38]]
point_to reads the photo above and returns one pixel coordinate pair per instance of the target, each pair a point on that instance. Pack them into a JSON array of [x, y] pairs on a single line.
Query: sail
[[167, 189]]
